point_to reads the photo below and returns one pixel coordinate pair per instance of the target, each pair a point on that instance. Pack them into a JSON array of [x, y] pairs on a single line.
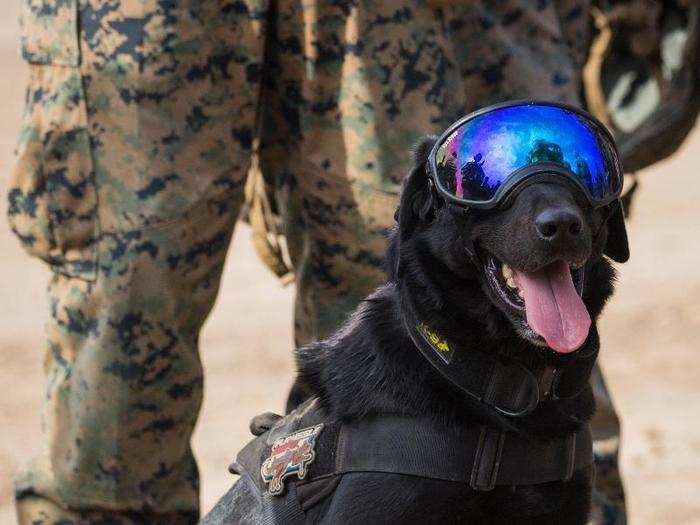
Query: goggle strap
[[609, 209]]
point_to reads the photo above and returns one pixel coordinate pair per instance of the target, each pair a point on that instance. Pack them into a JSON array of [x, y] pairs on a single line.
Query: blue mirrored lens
[[478, 158]]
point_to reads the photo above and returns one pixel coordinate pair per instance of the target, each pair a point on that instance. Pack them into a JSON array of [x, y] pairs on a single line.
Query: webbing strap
[[482, 457], [479, 456]]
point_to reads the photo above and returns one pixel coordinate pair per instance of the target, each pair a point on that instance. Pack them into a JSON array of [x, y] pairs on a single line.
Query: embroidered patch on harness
[[290, 455], [444, 350]]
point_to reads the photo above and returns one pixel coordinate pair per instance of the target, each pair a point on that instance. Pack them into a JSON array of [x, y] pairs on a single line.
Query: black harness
[[479, 456]]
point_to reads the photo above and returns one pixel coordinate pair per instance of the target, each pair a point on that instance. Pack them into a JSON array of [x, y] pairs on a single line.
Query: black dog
[[501, 284]]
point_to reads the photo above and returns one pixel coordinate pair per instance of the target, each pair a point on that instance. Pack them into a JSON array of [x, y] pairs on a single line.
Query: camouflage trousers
[[142, 117]]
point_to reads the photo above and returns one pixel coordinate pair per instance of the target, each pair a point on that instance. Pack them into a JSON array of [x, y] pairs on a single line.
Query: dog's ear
[[616, 246], [416, 202]]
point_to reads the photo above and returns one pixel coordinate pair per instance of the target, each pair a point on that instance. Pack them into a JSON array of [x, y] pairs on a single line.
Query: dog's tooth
[[507, 272]]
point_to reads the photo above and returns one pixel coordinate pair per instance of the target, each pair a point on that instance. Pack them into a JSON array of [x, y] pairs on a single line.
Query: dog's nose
[[559, 224]]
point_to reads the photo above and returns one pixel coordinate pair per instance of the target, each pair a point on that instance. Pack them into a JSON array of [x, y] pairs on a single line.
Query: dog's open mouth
[[546, 301]]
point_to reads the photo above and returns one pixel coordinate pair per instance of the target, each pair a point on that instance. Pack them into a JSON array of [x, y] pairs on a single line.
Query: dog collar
[[509, 387]]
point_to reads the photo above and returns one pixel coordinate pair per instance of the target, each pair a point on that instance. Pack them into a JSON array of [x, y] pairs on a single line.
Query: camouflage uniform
[[139, 128]]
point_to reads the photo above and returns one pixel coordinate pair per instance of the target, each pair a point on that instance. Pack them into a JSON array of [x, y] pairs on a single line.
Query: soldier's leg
[[609, 494], [134, 148], [355, 87]]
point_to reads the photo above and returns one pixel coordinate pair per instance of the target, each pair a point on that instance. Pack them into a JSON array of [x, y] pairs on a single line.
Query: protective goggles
[[481, 158]]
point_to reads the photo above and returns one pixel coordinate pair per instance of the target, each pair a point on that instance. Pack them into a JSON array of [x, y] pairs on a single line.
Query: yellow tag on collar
[[438, 343]]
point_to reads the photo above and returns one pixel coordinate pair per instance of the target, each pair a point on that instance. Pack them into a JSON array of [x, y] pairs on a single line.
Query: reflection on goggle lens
[[481, 155]]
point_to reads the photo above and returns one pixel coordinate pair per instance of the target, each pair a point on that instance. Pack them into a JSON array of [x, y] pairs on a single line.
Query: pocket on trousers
[[50, 32], [52, 196]]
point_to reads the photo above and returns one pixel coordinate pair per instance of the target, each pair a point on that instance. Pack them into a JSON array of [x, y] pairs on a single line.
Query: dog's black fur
[[371, 365]]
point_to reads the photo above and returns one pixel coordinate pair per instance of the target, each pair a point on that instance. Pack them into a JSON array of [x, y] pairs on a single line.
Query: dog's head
[[537, 262]]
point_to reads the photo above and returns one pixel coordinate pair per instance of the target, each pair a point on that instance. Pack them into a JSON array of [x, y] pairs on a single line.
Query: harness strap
[[482, 457], [479, 456]]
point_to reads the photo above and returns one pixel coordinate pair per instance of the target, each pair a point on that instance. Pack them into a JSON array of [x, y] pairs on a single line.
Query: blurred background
[[650, 337]]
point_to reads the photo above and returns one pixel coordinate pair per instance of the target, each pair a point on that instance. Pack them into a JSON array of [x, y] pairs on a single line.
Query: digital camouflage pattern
[[140, 123]]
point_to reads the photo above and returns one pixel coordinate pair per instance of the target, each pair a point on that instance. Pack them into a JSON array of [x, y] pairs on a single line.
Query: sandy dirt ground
[[650, 334]]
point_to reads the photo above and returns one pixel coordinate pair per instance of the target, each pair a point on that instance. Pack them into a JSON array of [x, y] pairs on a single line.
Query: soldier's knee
[[37, 510]]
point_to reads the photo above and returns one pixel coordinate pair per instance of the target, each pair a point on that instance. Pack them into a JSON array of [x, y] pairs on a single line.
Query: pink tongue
[[553, 307]]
